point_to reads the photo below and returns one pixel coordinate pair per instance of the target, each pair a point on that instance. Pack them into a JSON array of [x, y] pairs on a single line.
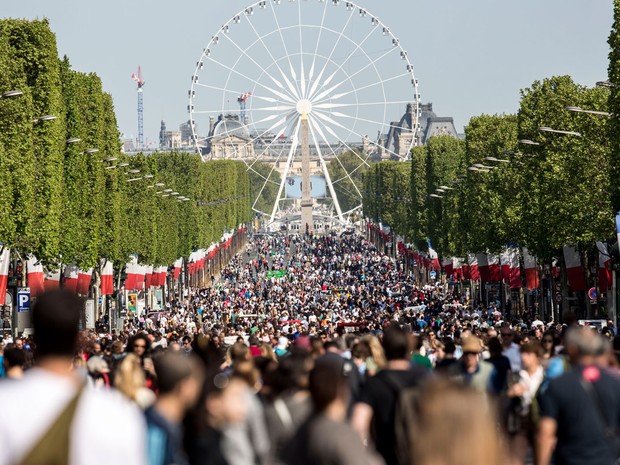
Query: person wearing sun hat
[[470, 370]]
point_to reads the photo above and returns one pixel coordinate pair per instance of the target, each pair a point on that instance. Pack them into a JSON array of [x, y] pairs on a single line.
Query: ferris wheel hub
[[304, 107]]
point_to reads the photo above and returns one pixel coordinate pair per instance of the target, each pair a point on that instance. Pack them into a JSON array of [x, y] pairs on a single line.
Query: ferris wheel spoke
[[342, 115], [325, 170], [358, 47], [336, 123], [288, 57], [273, 60], [264, 120], [358, 89], [279, 133], [325, 93], [294, 144], [331, 53], [318, 129], [331, 131], [270, 89], [244, 52], [302, 84], [330, 106], [316, 48]]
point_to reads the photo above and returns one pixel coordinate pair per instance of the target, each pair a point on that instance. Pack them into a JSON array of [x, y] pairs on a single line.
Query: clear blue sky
[[470, 56]]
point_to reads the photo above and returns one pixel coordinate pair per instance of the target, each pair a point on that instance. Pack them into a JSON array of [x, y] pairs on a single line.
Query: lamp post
[[559, 131], [590, 112], [11, 93]]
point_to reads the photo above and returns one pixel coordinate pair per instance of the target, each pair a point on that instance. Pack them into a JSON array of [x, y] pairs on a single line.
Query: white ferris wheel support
[[314, 77]]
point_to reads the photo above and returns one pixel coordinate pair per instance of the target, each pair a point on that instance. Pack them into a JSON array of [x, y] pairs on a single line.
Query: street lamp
[[148, 176], [11, 93], [134, 179], [591, 112], [559, 131], [109, 159], [45, 118], [435, 196], [605, 84], [91, 150], [134, 171], [446, 188], [528, 142], [112, 167], [160, 184], [73, 140], [123, 164]]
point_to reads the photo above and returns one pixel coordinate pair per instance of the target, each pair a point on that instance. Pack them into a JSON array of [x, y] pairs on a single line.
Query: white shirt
[[531, 383], [106, 428]]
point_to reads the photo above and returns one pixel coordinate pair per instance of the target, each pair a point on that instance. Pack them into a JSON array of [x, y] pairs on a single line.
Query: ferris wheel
[[278, 62]]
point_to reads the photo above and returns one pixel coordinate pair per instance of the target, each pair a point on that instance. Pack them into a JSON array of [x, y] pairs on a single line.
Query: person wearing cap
[[470, 371]]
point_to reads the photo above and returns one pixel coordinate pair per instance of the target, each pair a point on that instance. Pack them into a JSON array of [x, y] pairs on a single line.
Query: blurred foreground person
[[66, 422], [455, 427], [384, 396], [326, 438], [580, 410], [179, 378]]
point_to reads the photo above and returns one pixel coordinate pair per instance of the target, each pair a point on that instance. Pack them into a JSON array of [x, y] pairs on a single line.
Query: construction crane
[[140, 82], [242, 100]]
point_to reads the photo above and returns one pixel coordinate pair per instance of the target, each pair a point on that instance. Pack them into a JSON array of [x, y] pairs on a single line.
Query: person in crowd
[[376, 361], [374, 415], [64, 419], [510, 348], [179, 380], [471, 370], [580, 409], [14, 362], [326, 437], [99, 372], [131, 381], [523, 392], [548, 346], [454, 426], [501, 364], [442, 365]]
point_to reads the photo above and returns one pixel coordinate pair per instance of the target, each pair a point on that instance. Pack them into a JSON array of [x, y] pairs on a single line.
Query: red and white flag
[[471, 270], [511, 268], [604, 271], [71, 278], [83, 284], [107, 277], [162, 272], [489, 268], [177, 268], [532, 278], [35, 276], [5, 260], [574, 272], [448, 266], [148, 273], [51, 280]]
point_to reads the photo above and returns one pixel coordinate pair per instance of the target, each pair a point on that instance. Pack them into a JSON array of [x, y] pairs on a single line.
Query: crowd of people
[[310, 350]]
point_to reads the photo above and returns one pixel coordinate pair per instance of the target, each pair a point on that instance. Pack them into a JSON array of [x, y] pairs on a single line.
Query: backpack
[[404, 417]]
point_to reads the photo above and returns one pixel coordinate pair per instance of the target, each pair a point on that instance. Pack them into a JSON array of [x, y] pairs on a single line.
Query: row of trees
[[71, 201], [544, 196]]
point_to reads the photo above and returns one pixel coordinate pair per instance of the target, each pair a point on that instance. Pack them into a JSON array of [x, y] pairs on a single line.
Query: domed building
[[229, 139]]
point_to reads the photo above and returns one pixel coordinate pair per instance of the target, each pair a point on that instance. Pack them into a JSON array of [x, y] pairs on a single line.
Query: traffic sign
[[433, 275], [592, 294], [23, 299]]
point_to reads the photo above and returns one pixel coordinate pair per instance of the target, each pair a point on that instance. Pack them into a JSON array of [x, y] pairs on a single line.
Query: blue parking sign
[[23, 299]]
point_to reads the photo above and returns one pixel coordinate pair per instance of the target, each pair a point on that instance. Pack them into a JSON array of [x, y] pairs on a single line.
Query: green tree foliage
[[567, 180], [386, 195], [444, 161], [73, 202], [614, 107], [489, 208]]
